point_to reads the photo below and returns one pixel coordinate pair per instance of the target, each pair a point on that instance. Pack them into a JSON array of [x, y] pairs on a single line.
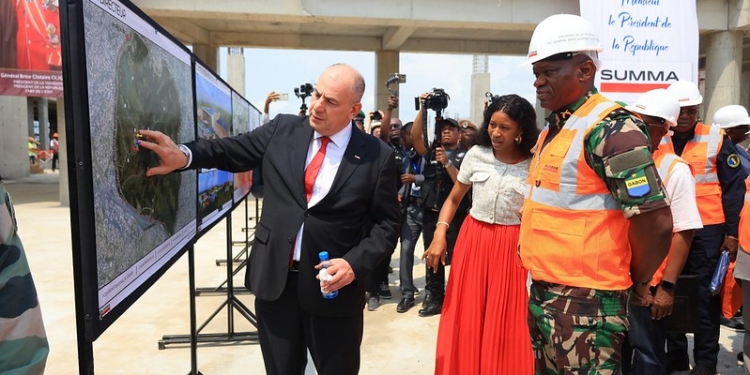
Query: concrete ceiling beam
[[187, 32], [396, 36], [297, 41]]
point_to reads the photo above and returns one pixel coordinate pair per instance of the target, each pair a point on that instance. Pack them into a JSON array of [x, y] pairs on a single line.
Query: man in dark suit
[[349, 209]]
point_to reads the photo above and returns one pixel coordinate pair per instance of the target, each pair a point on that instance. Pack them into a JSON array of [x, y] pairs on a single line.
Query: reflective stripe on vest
[[744, 234], [664, 162], [701, 153], [573, 231]]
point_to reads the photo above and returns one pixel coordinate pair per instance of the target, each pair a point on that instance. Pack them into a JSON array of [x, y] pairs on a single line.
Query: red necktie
[[311, 173]]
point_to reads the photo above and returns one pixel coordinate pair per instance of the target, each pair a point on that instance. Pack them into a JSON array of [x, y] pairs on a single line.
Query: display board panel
[[241, 124], [213, 105], [126, 74]]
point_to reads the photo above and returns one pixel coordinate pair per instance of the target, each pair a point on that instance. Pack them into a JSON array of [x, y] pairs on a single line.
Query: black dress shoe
[[734, 323], [385, 291], [426, 300], [432, 308], [405, 304]]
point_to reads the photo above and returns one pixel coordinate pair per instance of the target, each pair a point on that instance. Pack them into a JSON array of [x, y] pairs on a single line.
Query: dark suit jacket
[[358, 220]]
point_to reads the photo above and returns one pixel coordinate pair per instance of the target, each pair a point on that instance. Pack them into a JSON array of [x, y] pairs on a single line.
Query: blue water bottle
[[324, 276]]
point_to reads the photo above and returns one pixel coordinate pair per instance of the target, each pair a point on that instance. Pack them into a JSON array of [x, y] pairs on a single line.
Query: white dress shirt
[[328, 170]]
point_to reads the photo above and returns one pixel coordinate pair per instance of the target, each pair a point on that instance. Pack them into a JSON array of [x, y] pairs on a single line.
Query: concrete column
[[209, 54], [30, 115], [62, 164], [386, 64], [480, 84], [236, 70], [745, 90], [723, 71], [42, 113], [14, 151], [541, 114]]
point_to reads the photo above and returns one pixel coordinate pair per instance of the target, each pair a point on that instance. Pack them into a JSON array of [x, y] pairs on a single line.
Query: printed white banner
[[647, 44]]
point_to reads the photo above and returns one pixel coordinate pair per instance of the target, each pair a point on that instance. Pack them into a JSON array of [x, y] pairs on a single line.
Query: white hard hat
[[730, 116], [686, 92], [562, 33], [658, 103]]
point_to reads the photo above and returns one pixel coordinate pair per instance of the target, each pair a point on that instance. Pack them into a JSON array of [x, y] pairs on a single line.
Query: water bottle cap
[[323, 255]]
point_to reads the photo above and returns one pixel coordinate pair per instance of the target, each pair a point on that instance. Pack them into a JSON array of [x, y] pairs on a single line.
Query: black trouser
[[378, 274], [702, 260], [55, 158], [435, 281], [286, 332]]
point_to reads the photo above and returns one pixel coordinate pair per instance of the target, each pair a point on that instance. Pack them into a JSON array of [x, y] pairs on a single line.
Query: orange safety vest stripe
[[701, 153], [573, 231], [744, 234]]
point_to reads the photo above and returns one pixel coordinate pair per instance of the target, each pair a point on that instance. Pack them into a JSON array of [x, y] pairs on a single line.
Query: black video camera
[[437, 101], [303, 91]]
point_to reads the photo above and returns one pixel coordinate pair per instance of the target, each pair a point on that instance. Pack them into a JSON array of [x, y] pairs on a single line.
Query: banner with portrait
[[30, 55], [648, 44]]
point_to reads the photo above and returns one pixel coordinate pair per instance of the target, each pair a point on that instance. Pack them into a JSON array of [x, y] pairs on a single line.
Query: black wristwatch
[[667, 286]]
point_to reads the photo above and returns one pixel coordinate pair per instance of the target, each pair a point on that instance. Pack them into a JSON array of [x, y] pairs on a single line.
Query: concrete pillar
[[745, 90], [42, 113], [723, 71], [62, 164], [480, 85], [209, 54], [386, 64], [541, 114], [14, 134], [236, 70], [30, 115]]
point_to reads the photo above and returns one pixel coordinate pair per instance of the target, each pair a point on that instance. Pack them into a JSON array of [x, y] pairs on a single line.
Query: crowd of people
[[566, 246]]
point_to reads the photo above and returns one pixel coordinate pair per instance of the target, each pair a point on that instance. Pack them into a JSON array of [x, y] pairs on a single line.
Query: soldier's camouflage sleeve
[[623, 137], [23, 341]]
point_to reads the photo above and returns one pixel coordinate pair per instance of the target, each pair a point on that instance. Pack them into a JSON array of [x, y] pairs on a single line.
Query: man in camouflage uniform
[[596, 222], [23, 342]]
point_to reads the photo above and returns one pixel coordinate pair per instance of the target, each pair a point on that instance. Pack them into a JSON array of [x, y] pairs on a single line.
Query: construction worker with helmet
[[742, 271], [736, 123], [595, 222], [646, 338], [719, 191], [54, 145]]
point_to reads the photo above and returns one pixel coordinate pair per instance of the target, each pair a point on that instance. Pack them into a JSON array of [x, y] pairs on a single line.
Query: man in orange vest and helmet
[[659, 109], [719, 191], [596, 222]]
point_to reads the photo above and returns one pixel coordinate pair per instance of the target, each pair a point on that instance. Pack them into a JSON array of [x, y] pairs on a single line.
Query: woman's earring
[[519, 139]]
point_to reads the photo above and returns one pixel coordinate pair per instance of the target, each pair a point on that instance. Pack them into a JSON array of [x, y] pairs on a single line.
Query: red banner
[[30, 56]]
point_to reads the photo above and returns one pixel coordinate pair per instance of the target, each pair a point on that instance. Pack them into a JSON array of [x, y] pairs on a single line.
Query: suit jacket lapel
[[354, 154], [297, 158]]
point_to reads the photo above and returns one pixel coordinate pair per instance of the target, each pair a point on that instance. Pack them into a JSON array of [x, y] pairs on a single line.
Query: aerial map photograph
[[135, 83]]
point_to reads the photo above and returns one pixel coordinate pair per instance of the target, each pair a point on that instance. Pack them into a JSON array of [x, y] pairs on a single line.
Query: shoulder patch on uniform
[[733, 161], [637, 185]]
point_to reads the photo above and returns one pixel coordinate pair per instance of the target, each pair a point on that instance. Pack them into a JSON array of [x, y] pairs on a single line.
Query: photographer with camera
[[443, 160]]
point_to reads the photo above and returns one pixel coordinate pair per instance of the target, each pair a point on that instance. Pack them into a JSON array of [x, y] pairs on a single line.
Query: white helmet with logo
[[562, 33], [658, 103], [730, 116], [686, 92]]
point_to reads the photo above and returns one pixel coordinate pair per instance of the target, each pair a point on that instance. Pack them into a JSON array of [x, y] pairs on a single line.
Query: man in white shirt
[[659, 110]]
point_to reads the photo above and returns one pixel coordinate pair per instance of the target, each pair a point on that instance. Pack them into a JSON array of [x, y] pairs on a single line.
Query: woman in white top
[[483, 327]]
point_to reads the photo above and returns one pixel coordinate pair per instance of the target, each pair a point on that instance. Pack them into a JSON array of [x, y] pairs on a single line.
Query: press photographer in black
[[443, 160]]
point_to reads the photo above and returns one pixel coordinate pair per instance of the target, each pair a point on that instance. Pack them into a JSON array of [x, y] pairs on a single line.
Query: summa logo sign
[[638, 76], [637, 81]]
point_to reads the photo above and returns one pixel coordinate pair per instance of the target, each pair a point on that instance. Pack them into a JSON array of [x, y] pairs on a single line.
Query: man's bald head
[[344, 71]]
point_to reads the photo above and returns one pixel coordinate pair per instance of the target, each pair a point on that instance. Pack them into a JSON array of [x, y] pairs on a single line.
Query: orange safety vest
[[573, 231], [744, 234], [664, 162], [701, 153]]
